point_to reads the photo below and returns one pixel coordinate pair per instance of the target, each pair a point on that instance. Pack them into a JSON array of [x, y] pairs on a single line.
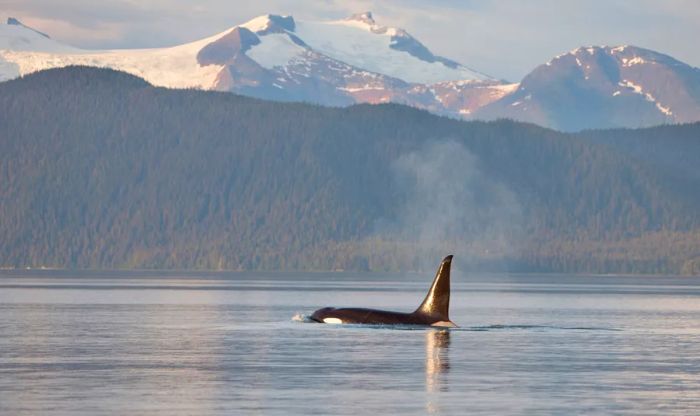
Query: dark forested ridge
[[98, 169]]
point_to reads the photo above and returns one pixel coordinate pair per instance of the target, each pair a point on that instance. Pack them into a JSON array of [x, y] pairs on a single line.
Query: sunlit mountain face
[[603, 87], [358, 60], [337, 63]]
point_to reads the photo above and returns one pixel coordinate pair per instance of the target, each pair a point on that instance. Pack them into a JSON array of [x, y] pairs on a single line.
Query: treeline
[[98, 169]]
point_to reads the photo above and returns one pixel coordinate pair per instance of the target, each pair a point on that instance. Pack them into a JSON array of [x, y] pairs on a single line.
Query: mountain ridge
[[354, 60], [623, 86], [266, 57], [102, 170]]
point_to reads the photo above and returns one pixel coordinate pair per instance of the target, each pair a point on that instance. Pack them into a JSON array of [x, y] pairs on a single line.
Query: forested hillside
[[98, 169]]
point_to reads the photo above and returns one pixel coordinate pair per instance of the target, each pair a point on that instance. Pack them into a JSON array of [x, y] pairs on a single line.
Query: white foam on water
[[300, 317]]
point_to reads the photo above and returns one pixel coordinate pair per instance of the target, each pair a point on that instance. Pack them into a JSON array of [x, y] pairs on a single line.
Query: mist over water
[[448, 205]]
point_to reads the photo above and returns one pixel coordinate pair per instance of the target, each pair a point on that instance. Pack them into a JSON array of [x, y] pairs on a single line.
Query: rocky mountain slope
[[602, 87], [341, 62], [357, 60]]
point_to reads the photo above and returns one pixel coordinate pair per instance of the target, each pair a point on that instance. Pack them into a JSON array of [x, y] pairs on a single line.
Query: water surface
[[227, 343]]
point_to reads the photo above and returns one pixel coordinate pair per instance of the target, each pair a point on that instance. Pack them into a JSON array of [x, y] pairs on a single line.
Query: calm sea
[[212, 344]]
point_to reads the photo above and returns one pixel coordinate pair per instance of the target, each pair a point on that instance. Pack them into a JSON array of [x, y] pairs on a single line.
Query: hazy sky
[[505, 39]]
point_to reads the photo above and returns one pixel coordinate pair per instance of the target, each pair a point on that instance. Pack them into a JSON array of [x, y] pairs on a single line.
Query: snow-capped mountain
[[601, 87], [361, 42], [16, 36], [356, 60], [24, 50], [276, 57]]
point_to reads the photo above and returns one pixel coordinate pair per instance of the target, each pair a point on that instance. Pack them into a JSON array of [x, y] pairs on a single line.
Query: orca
[[434, 311]]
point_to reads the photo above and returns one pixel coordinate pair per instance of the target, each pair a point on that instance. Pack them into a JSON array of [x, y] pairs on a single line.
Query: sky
[[505, 39]]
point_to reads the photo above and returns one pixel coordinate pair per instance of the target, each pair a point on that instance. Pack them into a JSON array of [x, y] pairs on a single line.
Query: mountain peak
[[627, 55], [620, 48], [11, 21], [365, 17], [269, 23], [608, 86]]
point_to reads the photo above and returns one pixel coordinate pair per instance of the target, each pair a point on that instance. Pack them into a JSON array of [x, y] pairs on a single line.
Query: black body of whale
[[434, 311]]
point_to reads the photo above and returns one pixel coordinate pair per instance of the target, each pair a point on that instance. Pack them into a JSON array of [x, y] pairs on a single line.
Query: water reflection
[[112, 346], [437, 365]]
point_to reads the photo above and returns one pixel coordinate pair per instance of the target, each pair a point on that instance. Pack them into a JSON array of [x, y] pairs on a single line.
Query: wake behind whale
[[434, 311]]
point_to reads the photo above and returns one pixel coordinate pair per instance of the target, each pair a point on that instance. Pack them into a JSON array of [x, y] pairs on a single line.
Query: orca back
[[434, 310]]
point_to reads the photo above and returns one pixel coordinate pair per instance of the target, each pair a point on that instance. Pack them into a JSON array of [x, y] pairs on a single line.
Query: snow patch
[[505, 88], [634, 61], [618, 49], [21, 38], [461, 83], [257, 24], [369, 47], [362, 88], [275, 49], [663, 109], [8, 70], [629, 84], [647, 96]]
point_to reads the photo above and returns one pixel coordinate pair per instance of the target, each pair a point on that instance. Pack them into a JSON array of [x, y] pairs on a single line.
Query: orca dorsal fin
[[436, 304]]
